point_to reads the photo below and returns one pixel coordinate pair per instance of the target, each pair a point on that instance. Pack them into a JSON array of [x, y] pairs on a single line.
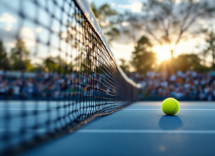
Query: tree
[[131, 26], [210, 47], [168, 22], [4, 61], [143, 59], [183, 62], [186, 62], [105, 18], [124, 65], [20, 57], [57, 64]]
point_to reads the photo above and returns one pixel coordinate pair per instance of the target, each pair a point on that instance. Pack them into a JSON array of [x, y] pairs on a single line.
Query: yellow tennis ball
[[170, 106]]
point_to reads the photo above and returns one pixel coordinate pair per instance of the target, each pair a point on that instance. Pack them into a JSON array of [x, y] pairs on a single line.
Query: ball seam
[[175, 104]]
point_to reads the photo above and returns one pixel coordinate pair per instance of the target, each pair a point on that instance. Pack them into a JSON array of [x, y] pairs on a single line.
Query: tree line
[[164, 22], [18, 59]]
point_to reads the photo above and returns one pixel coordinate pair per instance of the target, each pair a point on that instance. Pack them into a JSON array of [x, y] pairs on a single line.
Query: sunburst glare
[[163, 53]]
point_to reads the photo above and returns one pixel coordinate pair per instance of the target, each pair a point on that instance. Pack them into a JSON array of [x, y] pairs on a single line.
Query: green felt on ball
[[170, 106]]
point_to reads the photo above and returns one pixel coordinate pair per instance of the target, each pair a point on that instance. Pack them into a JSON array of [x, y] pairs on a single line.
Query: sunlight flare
[[163, 53]]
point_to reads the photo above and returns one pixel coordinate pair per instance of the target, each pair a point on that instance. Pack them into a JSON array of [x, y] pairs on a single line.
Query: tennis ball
[[170, 106]]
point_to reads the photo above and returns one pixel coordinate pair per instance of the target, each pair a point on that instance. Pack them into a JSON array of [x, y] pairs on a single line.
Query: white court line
[[34, 109], [18, 130], [179, 109], [147, 131], [125, 131], [17, 109], [14, 109]]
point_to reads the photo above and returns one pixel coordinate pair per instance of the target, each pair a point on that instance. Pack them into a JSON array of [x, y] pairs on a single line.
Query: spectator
[[183, 86]]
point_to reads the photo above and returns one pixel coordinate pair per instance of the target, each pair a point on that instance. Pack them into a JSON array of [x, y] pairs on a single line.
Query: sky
[[47, 31], [28, 31], [9, 23], [121, 5], [121, 50]]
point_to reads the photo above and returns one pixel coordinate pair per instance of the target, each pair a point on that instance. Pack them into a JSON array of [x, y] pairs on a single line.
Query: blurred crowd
[[182, 86], [51, 86], [154, 86]]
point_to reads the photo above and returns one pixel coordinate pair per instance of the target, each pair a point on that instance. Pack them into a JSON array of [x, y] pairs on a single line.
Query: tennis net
[[57, 72]]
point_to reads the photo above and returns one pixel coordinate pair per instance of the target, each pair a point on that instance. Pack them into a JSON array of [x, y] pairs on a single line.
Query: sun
[[163, 53]]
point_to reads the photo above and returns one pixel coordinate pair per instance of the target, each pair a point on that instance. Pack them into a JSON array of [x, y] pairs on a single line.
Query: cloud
[[134, 7], [11, 44], [201, 22], [124, 24], [105, 23], [55, 29], [27, 34], [124, 6], [38, 30], [8, 20], [64, 34], [179, 1]]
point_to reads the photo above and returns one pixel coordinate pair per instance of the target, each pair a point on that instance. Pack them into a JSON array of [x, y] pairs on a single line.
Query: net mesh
[[56, 73]]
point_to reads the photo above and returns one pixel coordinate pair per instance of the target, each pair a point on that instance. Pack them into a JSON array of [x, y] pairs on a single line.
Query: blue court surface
[[140, 129]]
